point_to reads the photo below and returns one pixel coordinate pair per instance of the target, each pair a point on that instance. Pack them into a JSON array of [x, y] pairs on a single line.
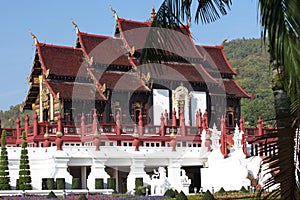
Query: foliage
[[51, 195], [138, 182], [181, 196], [82, 197], [111, 183], [141, 190], [60, 184], [4, 173], [208, 196], [99, 183], [76, 183], [244, 190], [24, 168], [50, 184], [8, 117], [251, 62], [221, 191], [170, 193]]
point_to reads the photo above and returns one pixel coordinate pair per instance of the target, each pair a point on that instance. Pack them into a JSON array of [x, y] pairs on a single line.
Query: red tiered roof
[[104, 49], [218, 56], [233, 89], [119, 80], [61, 60], [75, 90]]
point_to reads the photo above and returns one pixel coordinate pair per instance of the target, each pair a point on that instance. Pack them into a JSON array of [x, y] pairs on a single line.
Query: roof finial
[[114, 12], [153, 13], [189, 21], [224, 41], [34, 37], [75, 26]]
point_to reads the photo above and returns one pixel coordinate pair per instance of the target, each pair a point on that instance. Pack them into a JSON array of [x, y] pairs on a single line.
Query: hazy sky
[[50, 21]]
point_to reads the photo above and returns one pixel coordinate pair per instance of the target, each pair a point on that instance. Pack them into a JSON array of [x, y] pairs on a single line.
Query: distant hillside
[[248, 59], [8, 118], [252, 64]]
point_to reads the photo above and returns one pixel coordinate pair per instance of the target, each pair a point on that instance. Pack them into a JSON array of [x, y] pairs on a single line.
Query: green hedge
[[99, 183], [60, 184], [111, 183], [76, 184], [50, 184]]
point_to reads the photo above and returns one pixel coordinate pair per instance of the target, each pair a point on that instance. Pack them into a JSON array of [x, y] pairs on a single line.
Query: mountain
[[251, 61]]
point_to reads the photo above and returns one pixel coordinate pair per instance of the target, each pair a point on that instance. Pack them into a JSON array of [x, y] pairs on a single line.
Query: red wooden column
[[35, 124], [174, 118], [182, 122], [59, 134], [223, 137], [205, 120], [166, 117], [197, 118], [200, 122], [173, 141], [162, 125], [259, 122], [46, 137], [95, 131], [18, 127], [140, 124], [118, 123], [82, 124], [244, 137], [26, 125]]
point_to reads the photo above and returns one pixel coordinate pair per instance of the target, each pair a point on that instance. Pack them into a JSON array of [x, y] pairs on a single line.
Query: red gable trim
[[97, 83], [220, 48], [241, 89]]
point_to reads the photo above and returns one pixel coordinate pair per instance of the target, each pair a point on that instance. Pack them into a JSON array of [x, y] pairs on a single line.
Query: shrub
[[82, 197], [141, 190], [24, 182], [50, 184], [51, 195], [111, 183], [181, 196], [208, 196], [170, 193], [44, 183], [221, 191], [60, 184], [99, 183], [138, 182], [76, 183], [4, 173], [244, 190]]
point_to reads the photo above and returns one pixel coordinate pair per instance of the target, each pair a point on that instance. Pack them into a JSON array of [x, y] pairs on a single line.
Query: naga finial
[[153, 13], [114, 12], [224, 41], [75, 26], [34, 37]]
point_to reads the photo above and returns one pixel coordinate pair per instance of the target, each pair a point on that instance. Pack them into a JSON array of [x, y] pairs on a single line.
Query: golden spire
[[34, 37], [114, 12], [224, 41], [75, 26], [153, 13]]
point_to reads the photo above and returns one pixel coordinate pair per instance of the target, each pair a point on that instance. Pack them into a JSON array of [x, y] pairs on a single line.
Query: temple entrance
[[193, 172], [81, 172], [120, 175]]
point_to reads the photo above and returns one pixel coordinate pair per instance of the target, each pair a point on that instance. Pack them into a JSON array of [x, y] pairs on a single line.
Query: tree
[[4, 173], [281, 29], [24, 180]]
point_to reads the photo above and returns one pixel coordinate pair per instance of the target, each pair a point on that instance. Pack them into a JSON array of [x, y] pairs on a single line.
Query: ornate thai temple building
[[99, 112]]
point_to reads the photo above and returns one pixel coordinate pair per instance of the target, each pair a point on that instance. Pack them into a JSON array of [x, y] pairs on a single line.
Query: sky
[[51, 20]]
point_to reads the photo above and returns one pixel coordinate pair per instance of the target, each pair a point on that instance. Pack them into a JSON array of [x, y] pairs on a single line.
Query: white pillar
[[41, 102], [83, 177], [137, 171], [51, 108], [61, 160], [174, 168], [97, 171]]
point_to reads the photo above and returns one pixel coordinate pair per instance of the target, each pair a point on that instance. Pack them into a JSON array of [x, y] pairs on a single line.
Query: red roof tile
[[75, 90], [105, 50], [219, 58], [119, 80], [233, 89], [61, 60]]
